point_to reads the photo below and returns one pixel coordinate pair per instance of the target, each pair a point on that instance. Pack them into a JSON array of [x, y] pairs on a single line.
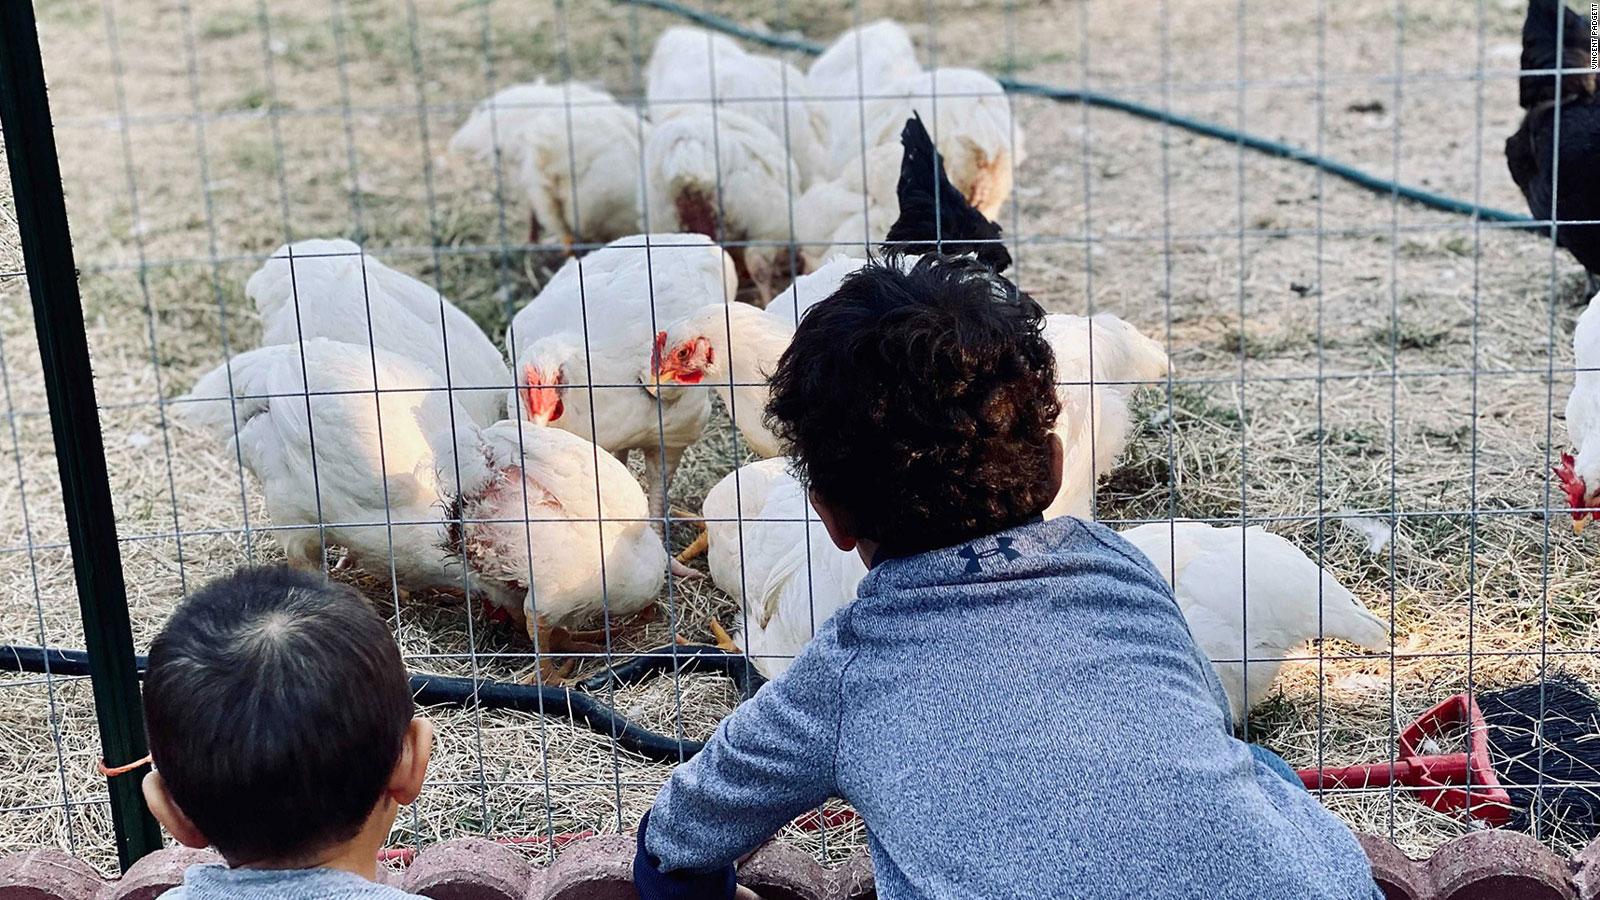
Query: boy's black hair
[[918, 400], [276, 705]]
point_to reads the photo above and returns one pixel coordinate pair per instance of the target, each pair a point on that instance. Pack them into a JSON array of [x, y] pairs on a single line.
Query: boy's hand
[[743, 893]]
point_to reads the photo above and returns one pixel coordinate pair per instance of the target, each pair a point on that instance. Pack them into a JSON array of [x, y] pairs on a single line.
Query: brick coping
[[1485, 865]]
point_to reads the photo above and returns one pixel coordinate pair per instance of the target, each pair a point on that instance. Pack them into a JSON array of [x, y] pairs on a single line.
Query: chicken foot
[[696, 548], [724, 639], [721, 639], [550, 640]]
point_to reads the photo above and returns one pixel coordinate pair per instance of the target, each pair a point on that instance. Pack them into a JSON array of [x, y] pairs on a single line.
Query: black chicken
[[934, 215], [1532, 154]]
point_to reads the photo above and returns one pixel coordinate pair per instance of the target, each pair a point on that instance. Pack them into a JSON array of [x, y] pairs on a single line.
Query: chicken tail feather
[[227, 397]]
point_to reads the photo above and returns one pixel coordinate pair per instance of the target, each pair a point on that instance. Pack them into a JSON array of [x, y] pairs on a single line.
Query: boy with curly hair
[[1015, 707]]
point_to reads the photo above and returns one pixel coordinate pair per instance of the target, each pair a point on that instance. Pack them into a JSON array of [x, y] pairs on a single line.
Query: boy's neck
[[868, 550], [355, 857], [358, 856], [874, 553]]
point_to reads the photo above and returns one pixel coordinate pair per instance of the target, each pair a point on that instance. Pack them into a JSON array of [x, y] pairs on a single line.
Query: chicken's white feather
[[852, 212], [726, 168], [1583, 404], [689, 67], [539, 526], [329, 289], [594, 324], [784, 569], [1094, 421], [859, 63], [360, 463], [572, 148]]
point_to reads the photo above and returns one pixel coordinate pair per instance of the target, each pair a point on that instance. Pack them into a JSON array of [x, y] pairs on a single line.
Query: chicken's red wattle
[[1576, 490], [494, 613]]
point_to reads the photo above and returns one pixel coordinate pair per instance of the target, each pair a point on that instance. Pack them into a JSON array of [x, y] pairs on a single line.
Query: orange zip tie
[[112, 772]]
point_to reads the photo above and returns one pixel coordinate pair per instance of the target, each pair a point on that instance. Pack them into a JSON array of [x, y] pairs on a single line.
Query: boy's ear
[[416, 749], [166, 811], [838, 529]]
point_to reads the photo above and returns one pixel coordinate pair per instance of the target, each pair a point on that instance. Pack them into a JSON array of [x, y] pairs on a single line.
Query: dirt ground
[[1336, 354]]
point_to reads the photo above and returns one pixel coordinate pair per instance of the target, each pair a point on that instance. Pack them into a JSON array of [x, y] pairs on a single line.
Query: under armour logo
[[1002, 547]]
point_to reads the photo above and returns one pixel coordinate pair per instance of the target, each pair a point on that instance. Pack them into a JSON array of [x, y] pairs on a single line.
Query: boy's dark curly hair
[[918, 402]]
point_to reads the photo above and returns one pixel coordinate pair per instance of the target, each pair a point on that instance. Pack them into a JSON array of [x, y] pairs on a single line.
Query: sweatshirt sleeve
[[769, 761]]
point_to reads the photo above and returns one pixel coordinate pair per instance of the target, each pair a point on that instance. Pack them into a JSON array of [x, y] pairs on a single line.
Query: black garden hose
[[575, 702]]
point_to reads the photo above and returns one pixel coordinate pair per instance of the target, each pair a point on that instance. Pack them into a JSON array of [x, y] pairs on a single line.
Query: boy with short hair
[[1014, 707], [283, 733]]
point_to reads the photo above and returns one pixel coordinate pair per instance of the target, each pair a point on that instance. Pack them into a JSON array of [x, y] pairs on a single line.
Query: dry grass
[[1396, 308]]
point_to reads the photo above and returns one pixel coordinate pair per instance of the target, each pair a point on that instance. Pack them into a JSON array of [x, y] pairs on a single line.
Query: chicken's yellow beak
[[654, 381], [1579, 524]]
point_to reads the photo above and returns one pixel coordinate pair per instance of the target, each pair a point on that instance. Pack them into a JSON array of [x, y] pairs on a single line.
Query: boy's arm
[[769, 761]]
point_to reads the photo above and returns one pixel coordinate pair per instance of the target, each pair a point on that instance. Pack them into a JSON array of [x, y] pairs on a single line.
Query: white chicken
[[860, 63], [551, 515], [330, 289], [575, 151], [974, 133], [718, 173], [1579, 471], [343, 466], [1094, 422], [733, 348], [970, 118], [769, 551], [852, 212], [406, 475], [1227, 579], [689, 67], [580, 346], [813, 287]]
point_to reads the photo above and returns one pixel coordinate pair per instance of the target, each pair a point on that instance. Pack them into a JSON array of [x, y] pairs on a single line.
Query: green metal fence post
[[74, 420]]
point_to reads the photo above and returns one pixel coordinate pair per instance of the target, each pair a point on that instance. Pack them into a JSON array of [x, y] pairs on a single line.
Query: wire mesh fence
[[1378, 382]]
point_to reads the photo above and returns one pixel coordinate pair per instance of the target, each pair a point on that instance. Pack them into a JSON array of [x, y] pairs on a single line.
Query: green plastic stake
[[74, 421]]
